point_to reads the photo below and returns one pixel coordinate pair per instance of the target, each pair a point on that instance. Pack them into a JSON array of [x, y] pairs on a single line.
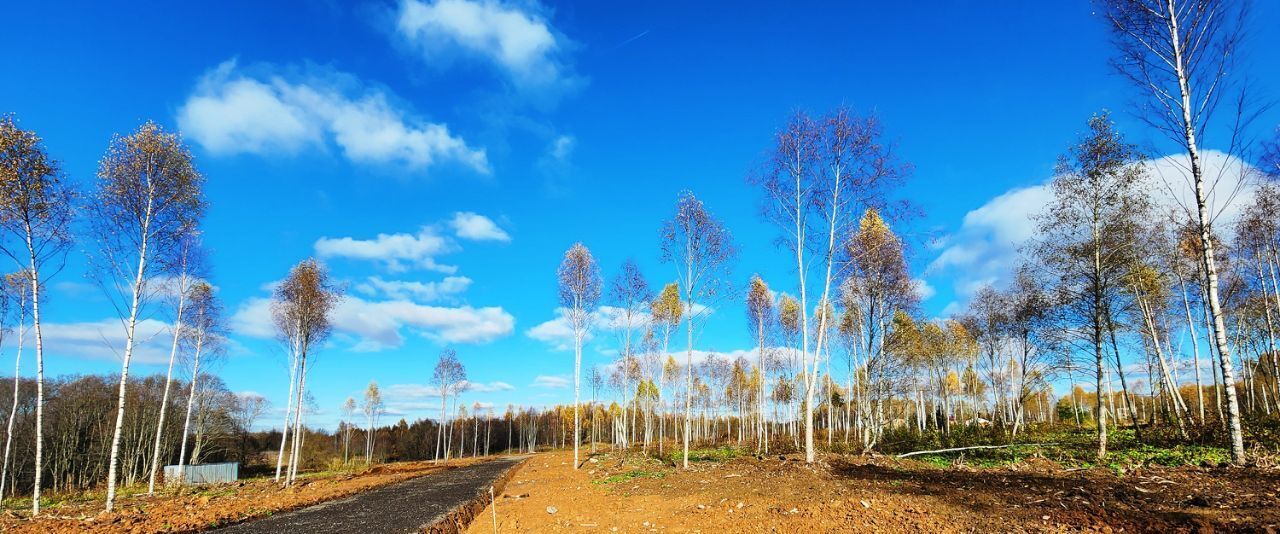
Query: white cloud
[[517, 40], [476, 227], [418, 391], [985, 249], [379, 325], [562, 148], [554, 382], [413, 290], [491, 387], [397, 251], [105, 340], [253, 318], [557, 333], [923, 289], [233, 111]]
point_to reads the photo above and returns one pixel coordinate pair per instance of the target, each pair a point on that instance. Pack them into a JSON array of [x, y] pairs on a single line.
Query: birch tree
[[35, 214], [348, 413], [1183, 56], [629, 292], [448, 376], [15, 291], [1085, 238], [579, 278], [879, 287], [665, 313], [302, 310], [179, 286], [702, 250], [822, 175], [372, 409], [203, 335], [759, 317], [147, 200]]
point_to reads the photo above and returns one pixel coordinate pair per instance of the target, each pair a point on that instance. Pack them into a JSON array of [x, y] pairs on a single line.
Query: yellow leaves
[[666, 308], [759, 302], [789, 314]]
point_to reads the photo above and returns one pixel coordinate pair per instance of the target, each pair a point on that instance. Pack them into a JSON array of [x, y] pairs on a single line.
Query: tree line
[[1120, 256]]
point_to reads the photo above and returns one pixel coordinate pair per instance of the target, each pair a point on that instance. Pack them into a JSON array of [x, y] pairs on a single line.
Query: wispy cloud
[[269, 110], [553, 382], [445, 289]]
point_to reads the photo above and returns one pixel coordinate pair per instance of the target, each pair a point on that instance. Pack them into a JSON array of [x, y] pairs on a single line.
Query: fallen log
[[968, 448]]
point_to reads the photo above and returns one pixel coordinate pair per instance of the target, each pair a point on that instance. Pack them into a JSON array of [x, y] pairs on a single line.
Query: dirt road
[[405, 507]]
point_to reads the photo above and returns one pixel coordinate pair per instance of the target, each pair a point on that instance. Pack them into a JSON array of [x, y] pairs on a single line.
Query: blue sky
[[440, 157]]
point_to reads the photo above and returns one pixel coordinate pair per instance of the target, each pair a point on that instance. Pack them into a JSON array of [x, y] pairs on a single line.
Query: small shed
[[203, 473]]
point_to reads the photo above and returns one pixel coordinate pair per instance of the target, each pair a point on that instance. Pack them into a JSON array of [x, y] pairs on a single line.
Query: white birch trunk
[[168, 381], [130, 331], [13, 410], [191, 401]]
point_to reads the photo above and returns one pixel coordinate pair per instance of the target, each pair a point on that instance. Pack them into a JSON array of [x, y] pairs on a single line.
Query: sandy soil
[[210, 506], [876, 495]]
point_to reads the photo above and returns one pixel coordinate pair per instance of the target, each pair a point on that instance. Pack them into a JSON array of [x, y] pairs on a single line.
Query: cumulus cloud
[[515, 39], [476, 227], [986, 248], [380, 325], [445, 289], [553, 382], [253, 318], [272, 110], [397, 252], [105, 340], [400, 252]]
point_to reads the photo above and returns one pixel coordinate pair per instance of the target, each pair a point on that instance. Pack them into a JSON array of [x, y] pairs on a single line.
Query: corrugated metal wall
[[204, 473]]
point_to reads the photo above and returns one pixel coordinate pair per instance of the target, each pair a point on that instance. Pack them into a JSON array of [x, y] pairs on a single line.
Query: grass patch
[[630, 475], [1072, 448], [718, 454]]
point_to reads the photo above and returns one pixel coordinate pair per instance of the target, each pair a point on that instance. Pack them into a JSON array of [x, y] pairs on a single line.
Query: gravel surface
[[405, 507]]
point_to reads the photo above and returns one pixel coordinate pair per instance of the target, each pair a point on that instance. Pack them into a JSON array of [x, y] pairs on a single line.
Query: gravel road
[[408, 506]]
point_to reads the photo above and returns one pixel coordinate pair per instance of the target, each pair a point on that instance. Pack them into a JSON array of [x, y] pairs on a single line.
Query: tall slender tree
[[579, 278], [148, 199], [1086, 237], [665, 313], [372, 409], [823, 174], [204, 334], [702, 251], [759, 317], [348, 427], [1183, 56], [188, 263], [449, 376], [35, 213], [15, 291], [302, 311]]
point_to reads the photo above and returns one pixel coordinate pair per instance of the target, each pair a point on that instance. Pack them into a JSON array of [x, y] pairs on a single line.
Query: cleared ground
[[878, 494]]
